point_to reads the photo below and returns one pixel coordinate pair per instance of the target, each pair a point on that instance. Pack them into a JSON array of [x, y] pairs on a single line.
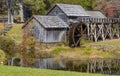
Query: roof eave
[[54, 7], [27, 22], [56, 27], [51, 9], [33, 17]]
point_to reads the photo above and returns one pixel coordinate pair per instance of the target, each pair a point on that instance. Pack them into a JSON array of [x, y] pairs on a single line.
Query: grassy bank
[[80, 53], [19, 71], [16, 32], [114, 42]]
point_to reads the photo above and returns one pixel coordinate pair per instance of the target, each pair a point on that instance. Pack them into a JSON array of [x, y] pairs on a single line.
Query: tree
[[38, 6], [87, 4], [12, 7], [48, 4], [2, 6]]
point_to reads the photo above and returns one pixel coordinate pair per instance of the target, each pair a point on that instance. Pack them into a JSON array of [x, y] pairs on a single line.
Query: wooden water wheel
[[76, 33]]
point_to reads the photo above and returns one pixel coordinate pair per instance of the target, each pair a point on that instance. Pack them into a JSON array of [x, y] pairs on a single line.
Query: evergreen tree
[[37, 6], [2, 7], [48, 4]]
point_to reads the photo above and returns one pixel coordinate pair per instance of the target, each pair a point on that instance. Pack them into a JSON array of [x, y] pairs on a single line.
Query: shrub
[[8, 45], [2, 56], [28, 51]]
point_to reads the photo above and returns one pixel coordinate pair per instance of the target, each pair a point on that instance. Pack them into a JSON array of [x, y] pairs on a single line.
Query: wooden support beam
[[107, 31], [88, 31], [91, 31], [95, 32], [100, 32]]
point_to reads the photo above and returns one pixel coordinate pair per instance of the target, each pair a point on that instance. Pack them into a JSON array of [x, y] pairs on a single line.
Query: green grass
[[16, 32], [19, 71], [115, 42], [58, 50], [80, 53]]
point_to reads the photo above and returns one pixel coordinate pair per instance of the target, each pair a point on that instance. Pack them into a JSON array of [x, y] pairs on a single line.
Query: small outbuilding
[[46, 29]]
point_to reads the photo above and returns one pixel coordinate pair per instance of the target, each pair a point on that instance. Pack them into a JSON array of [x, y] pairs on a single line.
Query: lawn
[[19, 71]]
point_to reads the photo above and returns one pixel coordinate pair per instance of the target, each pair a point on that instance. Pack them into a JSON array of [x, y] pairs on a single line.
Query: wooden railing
[[3, 19], [98, 20]]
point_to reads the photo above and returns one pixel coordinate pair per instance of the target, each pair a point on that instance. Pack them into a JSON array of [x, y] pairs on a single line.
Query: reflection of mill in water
[[93, 65], [49, 63]]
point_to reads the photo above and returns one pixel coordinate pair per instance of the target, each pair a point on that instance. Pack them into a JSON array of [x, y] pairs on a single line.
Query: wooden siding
[[56, 35], [58, 12], [28, 30], [48, 35], [39, 32]]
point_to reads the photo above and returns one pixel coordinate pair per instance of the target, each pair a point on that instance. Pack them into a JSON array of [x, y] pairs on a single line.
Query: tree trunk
[[21, 13], [10, 17]]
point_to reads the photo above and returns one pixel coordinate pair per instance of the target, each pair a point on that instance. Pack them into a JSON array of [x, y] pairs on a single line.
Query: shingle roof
[[51, 21], [72, 10], [96, 14]]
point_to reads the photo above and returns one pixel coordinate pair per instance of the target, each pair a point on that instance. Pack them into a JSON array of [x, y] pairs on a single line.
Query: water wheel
[[76, 33]]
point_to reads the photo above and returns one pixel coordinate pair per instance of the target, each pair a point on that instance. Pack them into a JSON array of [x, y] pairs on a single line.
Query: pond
[[94, 65]]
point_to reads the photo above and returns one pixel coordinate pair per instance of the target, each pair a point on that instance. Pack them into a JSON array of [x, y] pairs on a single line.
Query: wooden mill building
[[72, 23]]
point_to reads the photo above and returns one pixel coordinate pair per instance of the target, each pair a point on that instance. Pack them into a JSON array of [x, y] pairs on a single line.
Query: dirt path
[[1, 25]]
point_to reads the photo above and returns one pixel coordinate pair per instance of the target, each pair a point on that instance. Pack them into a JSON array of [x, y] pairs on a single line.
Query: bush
[[28, 51], [2, 56], [8, 45]]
